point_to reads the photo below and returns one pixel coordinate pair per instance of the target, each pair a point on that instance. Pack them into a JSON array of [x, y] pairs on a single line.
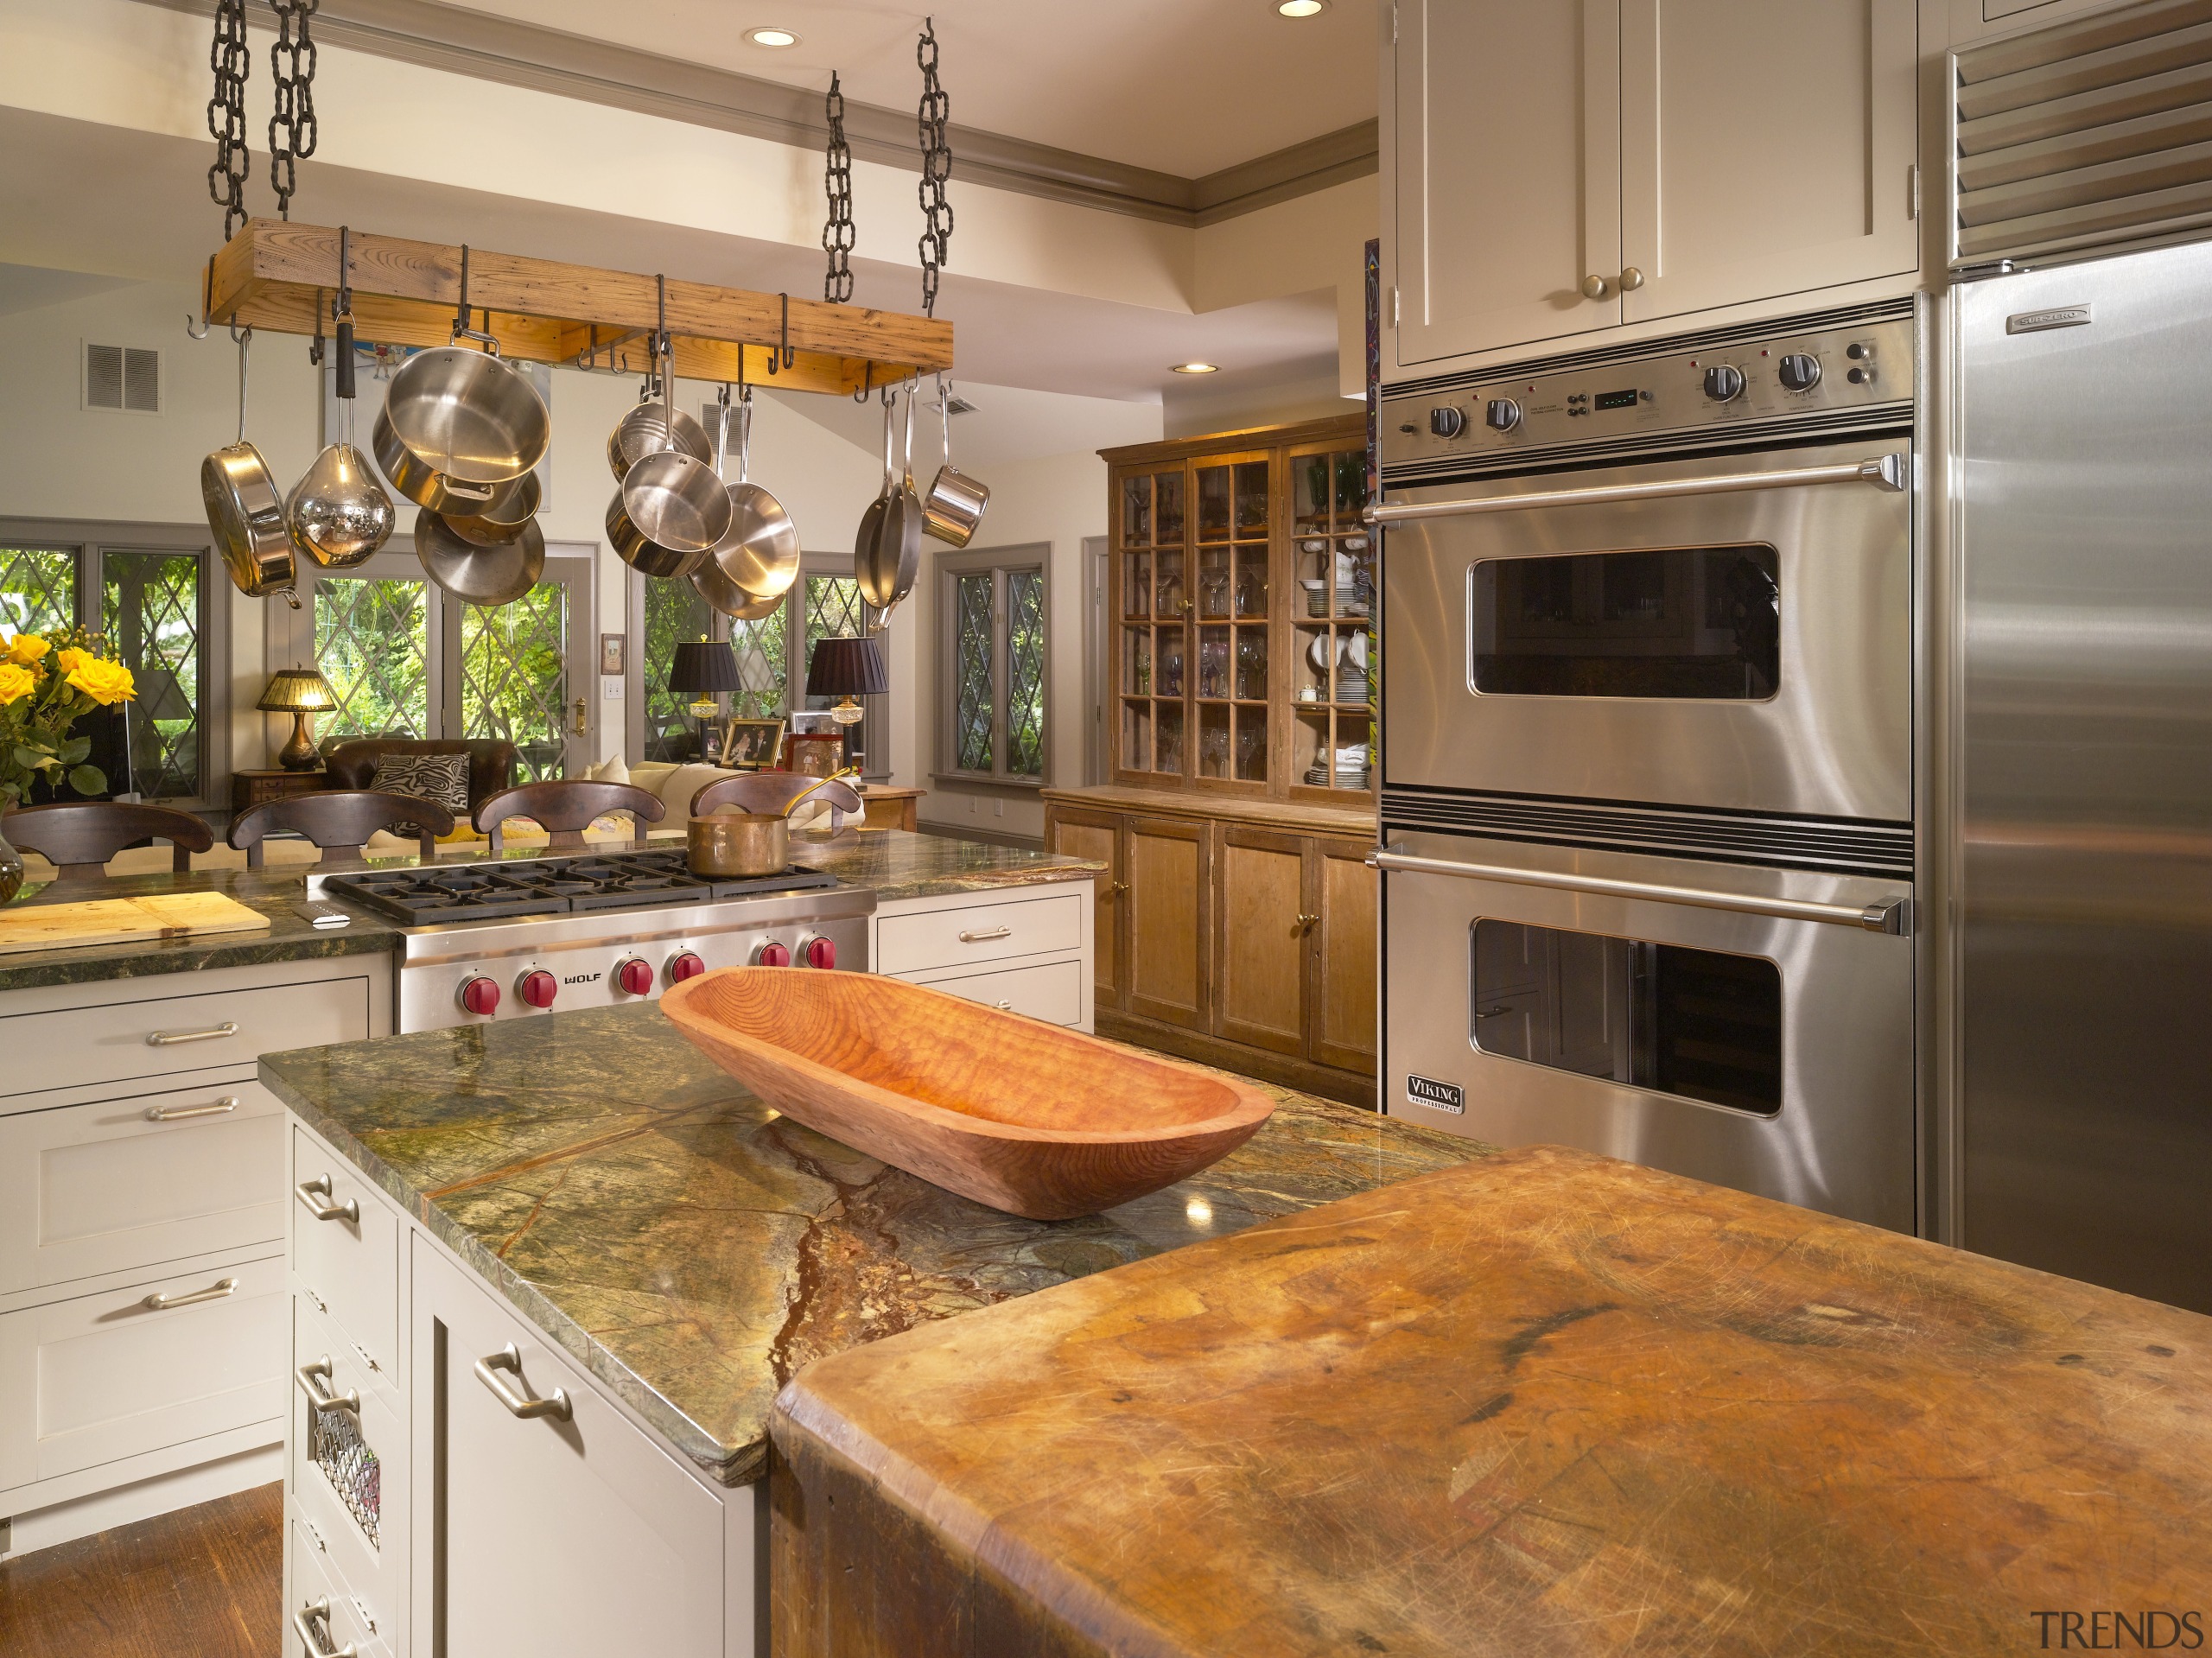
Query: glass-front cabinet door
[[1242, 593]]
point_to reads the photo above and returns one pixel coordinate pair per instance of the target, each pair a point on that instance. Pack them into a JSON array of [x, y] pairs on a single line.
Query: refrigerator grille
[[2084, 134]]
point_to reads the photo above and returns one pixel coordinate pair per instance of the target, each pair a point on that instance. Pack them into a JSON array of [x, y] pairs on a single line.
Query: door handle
[[519, 1404], [583, 717], [308, 1376], [985, 937], [1889, 915], [213, 1033], [186, 1113], [1884, 472], [311, 1192], [318, 1646], [215, 1292]]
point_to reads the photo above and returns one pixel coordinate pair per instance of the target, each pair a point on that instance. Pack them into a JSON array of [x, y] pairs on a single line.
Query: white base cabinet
[[1027, 950]]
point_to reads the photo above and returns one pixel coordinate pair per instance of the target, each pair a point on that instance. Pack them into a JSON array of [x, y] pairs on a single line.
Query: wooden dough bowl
[[1028, 1118]]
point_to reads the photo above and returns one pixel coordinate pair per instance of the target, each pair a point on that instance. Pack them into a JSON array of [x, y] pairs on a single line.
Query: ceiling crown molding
[[514, 53]]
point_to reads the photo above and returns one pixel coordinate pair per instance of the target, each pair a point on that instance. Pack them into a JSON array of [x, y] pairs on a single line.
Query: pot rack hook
[[206, 302], [789, 356], [460, 329], [868, 384]]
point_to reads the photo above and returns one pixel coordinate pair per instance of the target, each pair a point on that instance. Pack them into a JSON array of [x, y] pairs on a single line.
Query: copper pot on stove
[[731, 846]]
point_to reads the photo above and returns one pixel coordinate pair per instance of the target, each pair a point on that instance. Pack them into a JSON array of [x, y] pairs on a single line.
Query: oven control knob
[[537, 988], [1724, 383], [634, 977], [772, 953], [818, 952], [1503, 414], [1798, 370], [684, 965], [479, 995], [1447, 421]]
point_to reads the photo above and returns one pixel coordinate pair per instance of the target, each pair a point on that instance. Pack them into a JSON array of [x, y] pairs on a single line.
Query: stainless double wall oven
[[1648, 758]]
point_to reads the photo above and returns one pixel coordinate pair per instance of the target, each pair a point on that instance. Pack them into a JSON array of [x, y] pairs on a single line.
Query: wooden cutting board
[[124, 921], [1545, 1405]]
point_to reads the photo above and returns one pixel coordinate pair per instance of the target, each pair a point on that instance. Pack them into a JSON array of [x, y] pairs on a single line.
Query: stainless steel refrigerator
[[2085, 787]]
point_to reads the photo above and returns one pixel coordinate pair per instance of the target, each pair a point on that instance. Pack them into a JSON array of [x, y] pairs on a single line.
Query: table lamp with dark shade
[[704, 668], [302, 693], [847, 667]]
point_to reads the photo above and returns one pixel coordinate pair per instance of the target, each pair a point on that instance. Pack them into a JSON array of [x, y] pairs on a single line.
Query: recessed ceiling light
[[1302, 8], [782, 37], [1198, 368]]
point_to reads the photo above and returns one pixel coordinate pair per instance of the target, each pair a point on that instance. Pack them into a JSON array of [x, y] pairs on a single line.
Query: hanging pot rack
[[274, 277]]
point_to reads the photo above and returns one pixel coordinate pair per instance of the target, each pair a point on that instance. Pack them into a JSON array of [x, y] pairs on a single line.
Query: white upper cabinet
[[1766, 149], [1574, 165], [1508, 156]]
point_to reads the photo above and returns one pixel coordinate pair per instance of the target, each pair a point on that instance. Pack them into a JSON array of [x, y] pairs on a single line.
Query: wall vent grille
[[122, 376], [2084, 134]]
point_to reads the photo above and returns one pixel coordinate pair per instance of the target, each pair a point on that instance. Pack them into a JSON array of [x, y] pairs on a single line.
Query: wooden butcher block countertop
[[1542, 1403]]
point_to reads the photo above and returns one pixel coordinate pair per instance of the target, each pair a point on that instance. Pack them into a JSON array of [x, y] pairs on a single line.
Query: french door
[[406, 660]]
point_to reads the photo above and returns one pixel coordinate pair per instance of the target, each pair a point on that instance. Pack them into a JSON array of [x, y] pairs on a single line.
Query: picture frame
[[814, 753], [613, 654], [751, 745]]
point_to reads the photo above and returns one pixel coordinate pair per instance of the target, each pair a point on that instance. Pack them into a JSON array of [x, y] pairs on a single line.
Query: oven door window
[[1701, 622], [1694, 1022]]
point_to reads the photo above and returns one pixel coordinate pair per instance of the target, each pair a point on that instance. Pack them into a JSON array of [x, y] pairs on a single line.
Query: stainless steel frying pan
[[245, 511]]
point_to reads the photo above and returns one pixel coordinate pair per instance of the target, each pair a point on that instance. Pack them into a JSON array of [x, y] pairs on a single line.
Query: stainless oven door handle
[[1889, 472], [1889, 915]]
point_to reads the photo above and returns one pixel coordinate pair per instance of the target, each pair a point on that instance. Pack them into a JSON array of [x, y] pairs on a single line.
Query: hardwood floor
[[206, 1580]]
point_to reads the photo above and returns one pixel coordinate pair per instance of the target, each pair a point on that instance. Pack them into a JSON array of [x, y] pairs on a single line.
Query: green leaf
[[29, 759], [75, 750], [88, 780]]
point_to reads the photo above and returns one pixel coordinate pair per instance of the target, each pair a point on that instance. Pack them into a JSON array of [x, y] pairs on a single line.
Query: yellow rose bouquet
[[46, 683]]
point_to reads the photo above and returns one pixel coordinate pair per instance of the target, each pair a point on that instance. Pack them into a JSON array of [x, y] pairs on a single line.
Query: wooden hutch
[[1237, 925]]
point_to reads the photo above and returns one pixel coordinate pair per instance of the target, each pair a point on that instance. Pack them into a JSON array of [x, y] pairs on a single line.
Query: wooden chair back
[[78, 836], [772, 793], [340, 821], [565, 807]]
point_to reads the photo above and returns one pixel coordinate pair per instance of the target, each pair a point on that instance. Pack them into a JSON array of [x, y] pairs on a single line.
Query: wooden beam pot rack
[[280, 277]]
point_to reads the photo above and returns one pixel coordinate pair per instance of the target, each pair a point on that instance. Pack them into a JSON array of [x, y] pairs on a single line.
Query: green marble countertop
[[900, 865], [273, 892], [692, 1247]]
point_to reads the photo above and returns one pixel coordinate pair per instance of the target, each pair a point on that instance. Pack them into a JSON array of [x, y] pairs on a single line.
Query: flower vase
[[12, 871]]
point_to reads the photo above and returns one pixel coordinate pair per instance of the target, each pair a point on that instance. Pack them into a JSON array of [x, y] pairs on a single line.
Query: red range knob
[[634, 977], [772, 953], [537, 988], [480, 995], [684, 966], [819, 952]]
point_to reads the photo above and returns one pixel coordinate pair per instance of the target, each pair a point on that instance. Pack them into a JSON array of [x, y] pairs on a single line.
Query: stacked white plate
[[1351, 769]]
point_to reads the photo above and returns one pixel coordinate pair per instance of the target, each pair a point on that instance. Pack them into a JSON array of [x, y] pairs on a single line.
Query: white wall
[[60, 461]]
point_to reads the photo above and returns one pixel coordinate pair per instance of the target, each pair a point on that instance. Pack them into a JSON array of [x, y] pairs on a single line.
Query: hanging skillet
[[669, 499], [245, 511], [760, 552], [457, 423], [496, 575], [337, 514], [887, 553], [647, 428]]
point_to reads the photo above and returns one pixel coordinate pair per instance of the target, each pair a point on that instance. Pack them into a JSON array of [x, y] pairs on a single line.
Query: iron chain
[[837, 181], [292, 125], [937, 166], [232, 61]]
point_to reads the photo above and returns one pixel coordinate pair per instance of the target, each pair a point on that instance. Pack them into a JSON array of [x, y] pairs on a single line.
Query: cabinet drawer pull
[[313, 1193], [215, 1292], [508, 1359], [213, 1033], [318, 1646], [1004, 1006], [321, 1397], [186, 1113], [985, 937]]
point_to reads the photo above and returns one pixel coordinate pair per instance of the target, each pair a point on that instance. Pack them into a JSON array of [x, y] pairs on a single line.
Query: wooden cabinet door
[[1342, 965], [1078, 834], [1168, 962], [1263, 916], [1765, 149], [1507, 172], [549, 1535]]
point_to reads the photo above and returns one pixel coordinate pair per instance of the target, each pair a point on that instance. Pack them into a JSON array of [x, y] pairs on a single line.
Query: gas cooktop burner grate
[[553, 886]]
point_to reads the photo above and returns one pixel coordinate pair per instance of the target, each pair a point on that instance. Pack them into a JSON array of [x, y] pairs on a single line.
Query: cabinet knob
[[1631, 279], [1114, 889], [1307, 923], [1596, 287]]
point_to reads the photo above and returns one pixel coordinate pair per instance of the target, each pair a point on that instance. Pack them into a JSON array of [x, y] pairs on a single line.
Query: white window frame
[[998, 563]]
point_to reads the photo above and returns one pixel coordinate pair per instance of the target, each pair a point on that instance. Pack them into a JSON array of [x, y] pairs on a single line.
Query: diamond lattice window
[[38, 590], [372, 643], [834, 609], [1025, 673], [974, 707], [149, 611], [514, 678], [674, 613]]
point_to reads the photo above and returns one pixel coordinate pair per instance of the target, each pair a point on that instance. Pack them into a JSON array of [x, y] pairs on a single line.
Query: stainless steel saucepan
[[650, 427], [953, 509], [888, 551], [514, 506], [456, 423], [760, 552], [668, 499], [245, 511]]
